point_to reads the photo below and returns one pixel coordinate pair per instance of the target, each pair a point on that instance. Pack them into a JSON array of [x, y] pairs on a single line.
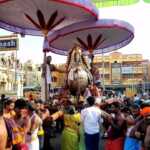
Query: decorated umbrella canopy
[[38, 17], [33, 16], [102, 36]]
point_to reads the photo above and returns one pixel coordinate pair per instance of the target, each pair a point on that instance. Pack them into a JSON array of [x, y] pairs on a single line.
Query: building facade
[[128, 74], [11, 71], [32, 74], [11, 75]]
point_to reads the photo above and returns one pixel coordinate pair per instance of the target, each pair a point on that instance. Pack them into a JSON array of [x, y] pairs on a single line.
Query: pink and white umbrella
[[33, 16], [102, 36]]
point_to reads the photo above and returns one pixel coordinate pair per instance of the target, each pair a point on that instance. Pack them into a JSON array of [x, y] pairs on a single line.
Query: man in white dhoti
[[35, 124]]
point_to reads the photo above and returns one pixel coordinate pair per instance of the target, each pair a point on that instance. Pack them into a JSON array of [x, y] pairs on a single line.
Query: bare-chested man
[[147, 137], [117, 128], [47, 70], [9, 109], [36, 123], [142, 127]]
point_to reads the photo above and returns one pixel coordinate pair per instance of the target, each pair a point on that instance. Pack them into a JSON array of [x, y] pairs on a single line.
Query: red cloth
[[116, 144], [21, 147], [145, 111]]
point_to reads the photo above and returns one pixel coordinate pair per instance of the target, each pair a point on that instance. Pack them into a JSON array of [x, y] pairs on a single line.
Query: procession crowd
[[95, 122]]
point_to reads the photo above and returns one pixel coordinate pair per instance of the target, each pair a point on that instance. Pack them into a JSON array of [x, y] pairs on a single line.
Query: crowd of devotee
[[95, 122]]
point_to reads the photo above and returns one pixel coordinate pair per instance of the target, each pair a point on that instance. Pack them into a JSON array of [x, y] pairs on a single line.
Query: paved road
[[57, 140]]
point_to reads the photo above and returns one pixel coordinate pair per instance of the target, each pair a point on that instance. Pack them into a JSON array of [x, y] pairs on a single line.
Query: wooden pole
[[15, 88], [91, 57], [45, 77], [45, 50]]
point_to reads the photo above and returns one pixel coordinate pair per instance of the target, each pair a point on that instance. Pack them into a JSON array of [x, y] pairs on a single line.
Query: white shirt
[[91, 118]]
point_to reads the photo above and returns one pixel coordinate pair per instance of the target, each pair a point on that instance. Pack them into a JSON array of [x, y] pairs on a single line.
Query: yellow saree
[[70, 135]]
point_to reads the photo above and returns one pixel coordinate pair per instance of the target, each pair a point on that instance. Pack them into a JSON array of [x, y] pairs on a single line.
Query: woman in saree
[[70, 135]]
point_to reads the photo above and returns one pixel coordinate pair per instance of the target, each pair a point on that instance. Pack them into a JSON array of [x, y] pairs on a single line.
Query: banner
[[109, 3], [9, 43], [116, 73], [147, 1]]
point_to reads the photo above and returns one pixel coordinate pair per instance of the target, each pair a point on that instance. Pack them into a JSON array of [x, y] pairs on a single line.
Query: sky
[[30, 47]]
